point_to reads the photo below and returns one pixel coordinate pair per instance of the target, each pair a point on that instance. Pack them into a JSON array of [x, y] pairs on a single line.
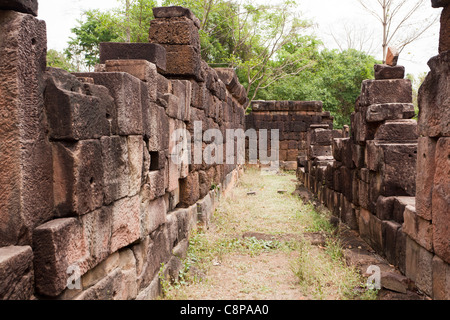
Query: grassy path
[[259, 248]]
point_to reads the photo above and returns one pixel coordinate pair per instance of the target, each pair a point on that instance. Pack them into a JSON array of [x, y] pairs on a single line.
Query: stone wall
[[390, 180], [292, 119], [88, 186], [429, 225]]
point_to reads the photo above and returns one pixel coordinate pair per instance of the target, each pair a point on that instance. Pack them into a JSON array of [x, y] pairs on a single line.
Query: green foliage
[[124, 24], [416, 84], [95, 27], [270, 47], [57, 59], [335, 79]]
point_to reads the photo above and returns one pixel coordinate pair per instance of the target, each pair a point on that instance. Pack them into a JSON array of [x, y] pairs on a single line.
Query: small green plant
[[164, 281]]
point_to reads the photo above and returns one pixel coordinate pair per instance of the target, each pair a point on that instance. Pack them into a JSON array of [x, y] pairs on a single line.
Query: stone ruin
[[292, 119], [87, 188], [390, 181]]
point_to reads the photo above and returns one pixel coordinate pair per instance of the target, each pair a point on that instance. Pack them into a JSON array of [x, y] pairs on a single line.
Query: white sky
[[329, 15]]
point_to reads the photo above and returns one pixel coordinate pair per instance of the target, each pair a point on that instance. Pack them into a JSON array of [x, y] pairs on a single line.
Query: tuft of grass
[[322, 271]]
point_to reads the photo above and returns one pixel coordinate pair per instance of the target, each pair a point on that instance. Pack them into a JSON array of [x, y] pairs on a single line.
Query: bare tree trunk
[[385, 36], [127, 13], [397, 19]]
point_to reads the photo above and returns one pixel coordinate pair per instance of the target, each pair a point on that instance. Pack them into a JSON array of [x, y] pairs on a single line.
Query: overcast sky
[[330, 17]]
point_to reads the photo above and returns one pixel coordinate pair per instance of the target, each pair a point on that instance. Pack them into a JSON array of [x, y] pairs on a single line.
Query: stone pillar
[[26, 197], [176, 29]]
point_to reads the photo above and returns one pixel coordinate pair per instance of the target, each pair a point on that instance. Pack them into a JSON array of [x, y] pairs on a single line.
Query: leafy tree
[[334, 79], [95, 27], [57, 59]]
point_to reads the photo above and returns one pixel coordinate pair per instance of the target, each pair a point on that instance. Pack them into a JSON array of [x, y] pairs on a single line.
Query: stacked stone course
[[88, 185], [292, 119], [390, 180]]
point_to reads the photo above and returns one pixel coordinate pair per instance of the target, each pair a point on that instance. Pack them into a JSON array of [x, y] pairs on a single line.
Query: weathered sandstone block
[[141, 69], [441, 200], [78, 177], [384, 72], [24, 6], [174, 12], [176, 31], [386, 91], [389, 111], [434, 118], [153, 214], [419, 229], [426, 167], [116, 172], [25, 160], [73, 115], [126, 91], [183, 61], [397, 130], [126, 223], [189, 190], [96, 228], [57, 246], [152, 52], [395, 165], [136, 147], [441, 279], [444, 38], [419, 266], [16, 273]]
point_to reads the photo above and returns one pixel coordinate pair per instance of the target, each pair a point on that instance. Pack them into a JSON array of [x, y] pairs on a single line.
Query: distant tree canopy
[[57, 59], [335, 78], [271, 48]]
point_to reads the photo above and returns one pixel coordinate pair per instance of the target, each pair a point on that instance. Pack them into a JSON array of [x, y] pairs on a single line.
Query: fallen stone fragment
[[282, 191], [392, 56], [394, 282], [251, 193]]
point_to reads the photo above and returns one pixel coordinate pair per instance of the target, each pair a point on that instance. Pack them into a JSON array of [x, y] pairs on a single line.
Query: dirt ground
[[251, 250]]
